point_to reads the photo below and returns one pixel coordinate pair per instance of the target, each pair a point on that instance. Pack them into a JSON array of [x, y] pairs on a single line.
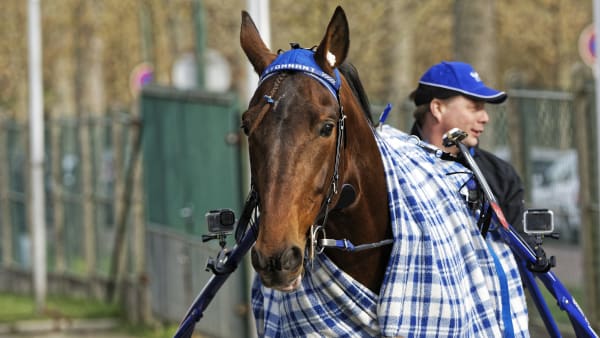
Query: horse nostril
[[291, 258], [262, 263], [258, 262]]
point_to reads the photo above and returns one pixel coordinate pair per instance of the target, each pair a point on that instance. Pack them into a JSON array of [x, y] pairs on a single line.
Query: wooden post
[[89, 244], [7, 237], [118, 146], [119, 251], [58, 205], [139, 244]]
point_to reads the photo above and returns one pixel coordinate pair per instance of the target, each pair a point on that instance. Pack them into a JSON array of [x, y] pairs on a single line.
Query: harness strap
[[267, 106], [318, 241], [346, 245]]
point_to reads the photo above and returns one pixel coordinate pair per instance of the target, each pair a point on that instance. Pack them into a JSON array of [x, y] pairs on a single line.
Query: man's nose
[[484, 116]]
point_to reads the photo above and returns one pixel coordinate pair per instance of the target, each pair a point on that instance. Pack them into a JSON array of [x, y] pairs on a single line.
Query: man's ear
[[437, 107]]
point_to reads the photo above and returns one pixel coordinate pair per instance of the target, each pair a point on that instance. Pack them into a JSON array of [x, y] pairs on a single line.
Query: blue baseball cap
[[451, 78]]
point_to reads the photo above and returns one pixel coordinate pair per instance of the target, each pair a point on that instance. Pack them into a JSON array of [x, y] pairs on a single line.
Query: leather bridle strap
[[268, 104]]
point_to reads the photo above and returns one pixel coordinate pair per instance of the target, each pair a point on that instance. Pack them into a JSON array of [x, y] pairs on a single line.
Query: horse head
[[299, 156]]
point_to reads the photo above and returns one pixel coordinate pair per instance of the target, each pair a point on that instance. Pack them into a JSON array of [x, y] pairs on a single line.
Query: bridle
[[301, 60]]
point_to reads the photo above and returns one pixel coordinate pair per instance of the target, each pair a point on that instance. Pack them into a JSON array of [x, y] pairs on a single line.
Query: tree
[[475, 36]]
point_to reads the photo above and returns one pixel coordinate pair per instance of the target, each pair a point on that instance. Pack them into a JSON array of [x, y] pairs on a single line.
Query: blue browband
[[302, 60]]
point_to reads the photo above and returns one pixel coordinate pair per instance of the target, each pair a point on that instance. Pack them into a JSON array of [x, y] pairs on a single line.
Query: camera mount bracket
[[542, 262], [217, 266]]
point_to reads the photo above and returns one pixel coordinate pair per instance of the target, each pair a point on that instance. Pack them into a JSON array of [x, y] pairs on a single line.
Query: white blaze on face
[[331, 58]]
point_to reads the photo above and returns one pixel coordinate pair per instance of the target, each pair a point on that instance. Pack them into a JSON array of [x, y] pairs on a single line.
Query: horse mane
[[351, 74]]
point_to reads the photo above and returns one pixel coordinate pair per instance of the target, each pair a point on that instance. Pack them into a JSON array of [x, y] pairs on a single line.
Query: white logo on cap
[[475, 76]]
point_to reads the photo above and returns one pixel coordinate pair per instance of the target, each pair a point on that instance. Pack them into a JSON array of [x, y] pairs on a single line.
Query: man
[[452, 95]]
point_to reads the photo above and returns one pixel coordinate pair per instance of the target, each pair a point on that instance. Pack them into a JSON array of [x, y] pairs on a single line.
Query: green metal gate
[[191, 156], [191, 165]]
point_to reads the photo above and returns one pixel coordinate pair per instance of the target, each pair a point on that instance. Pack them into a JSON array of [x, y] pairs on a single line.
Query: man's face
[[468, 115]]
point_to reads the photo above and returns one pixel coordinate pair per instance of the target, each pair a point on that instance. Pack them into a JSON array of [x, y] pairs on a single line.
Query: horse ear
[[334, 47], [259, 55]]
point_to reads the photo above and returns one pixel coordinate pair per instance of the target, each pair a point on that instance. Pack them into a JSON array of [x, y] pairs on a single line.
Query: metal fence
[[534, 130], [545, 119], [86, 164], [177, 268]]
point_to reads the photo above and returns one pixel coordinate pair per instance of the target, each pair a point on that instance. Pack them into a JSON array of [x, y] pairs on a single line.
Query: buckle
[[314, 247]]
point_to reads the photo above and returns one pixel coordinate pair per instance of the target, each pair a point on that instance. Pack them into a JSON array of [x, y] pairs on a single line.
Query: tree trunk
[[401, 58], [475, 36], [5, 219]]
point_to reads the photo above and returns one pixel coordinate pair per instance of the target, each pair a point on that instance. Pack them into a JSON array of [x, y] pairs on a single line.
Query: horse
[[317, 166], [292, 169]]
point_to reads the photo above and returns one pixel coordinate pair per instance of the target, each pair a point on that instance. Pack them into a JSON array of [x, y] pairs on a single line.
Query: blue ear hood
[[303, 60]]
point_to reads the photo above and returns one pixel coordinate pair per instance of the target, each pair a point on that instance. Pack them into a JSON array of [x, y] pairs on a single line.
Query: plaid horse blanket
[[442, 279]]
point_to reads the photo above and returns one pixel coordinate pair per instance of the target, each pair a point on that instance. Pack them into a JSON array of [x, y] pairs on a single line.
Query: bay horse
[[292, 145], [425, 269]]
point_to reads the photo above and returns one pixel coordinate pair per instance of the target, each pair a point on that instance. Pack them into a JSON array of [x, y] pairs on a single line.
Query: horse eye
[[327, 129]]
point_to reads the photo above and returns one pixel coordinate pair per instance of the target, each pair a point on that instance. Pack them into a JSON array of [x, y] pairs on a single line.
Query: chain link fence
[[545, 119], [534, 130]]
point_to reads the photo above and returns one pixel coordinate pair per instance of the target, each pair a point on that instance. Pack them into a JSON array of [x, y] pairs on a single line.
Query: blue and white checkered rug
[[441, 280]]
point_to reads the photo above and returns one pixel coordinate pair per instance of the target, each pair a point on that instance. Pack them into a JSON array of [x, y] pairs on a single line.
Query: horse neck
[[367, 219], [363, 168]]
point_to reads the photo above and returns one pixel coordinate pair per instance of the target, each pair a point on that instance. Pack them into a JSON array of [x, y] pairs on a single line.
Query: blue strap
[[509, 330], [472, 184], [472, 151], [385, 113], [346, 245]]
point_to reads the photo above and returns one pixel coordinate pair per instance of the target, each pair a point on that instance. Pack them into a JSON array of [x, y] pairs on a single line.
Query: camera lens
[[227, 217]]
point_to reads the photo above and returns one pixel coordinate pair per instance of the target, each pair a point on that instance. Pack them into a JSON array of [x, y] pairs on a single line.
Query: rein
[[302, 60]]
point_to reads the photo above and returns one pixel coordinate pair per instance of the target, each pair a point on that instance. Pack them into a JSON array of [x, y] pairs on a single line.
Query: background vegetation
[[91, 47]]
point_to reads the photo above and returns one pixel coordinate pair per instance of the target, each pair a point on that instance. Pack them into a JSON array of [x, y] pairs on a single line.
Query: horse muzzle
[[281, 271]]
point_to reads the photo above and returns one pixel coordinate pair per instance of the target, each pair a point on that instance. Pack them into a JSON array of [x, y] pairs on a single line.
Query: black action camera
[[220, 221], [538, 221]]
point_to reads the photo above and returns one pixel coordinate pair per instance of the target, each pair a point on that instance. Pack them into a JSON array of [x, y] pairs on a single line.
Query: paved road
[[47, 328], [569, 269]]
